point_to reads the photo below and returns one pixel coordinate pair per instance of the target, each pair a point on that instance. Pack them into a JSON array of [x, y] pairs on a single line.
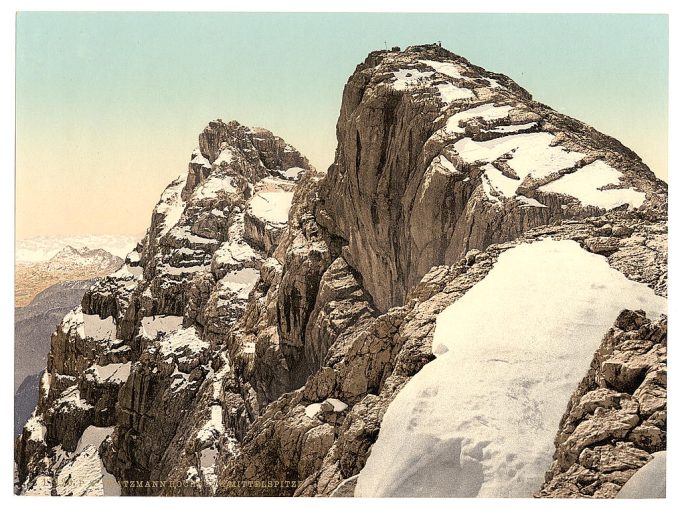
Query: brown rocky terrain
[[254, 340]]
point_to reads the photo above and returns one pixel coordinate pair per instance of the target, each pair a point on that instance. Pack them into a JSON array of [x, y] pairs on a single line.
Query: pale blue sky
[[109, 105]]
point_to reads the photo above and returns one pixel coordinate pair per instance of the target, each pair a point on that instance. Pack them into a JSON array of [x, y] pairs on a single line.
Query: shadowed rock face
[[33, 325], [267, 346]]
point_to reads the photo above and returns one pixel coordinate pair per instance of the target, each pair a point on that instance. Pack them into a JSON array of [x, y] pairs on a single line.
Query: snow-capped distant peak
[[43, 248], [71, 258]]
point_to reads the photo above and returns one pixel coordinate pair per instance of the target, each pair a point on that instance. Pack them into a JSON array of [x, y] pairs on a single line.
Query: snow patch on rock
[[181, 341], [171, 206], [312, 410], [112, 372], [85, 475], [240, 282], [36, 428], [271, 207], [585, 184], [93, 436], [225, 156], [293, 173], [529, 202], [649, 482], [406, 78], [488, 112], [450, 92], [128, 272], [153, 325], [493, 180], [70, 398], [197, 158], [446, 68], [97, 328], [531, 153], [214, 185], [235, 254]]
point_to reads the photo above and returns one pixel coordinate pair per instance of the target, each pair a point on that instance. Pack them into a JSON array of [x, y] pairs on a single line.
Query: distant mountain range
[[43, 248], [70, 258], [68, 263]]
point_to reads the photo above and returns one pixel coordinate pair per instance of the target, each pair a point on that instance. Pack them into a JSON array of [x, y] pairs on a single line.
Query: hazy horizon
[[110, 105]]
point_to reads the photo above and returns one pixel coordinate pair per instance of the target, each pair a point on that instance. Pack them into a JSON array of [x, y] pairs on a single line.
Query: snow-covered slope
[[480, 420]]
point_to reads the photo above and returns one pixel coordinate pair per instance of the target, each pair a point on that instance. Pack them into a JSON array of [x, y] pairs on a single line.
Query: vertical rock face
[[272, 312], [33, 325]]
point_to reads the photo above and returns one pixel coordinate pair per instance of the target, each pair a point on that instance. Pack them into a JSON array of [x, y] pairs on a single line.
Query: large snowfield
[[480, 420]]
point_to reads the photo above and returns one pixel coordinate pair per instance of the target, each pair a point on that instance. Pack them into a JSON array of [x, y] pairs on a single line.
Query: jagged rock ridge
[[267, 347], [168, 307], [616, 419]]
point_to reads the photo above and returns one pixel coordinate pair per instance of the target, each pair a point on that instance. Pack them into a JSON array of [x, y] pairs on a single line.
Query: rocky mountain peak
[[67, 251], [437, 156], [253, 153], [210, 237], [271, 314], [417, 55]]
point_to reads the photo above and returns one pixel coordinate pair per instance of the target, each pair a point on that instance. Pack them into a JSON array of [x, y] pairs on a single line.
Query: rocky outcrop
[[616, 419], [272, 312], [33, 325]]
